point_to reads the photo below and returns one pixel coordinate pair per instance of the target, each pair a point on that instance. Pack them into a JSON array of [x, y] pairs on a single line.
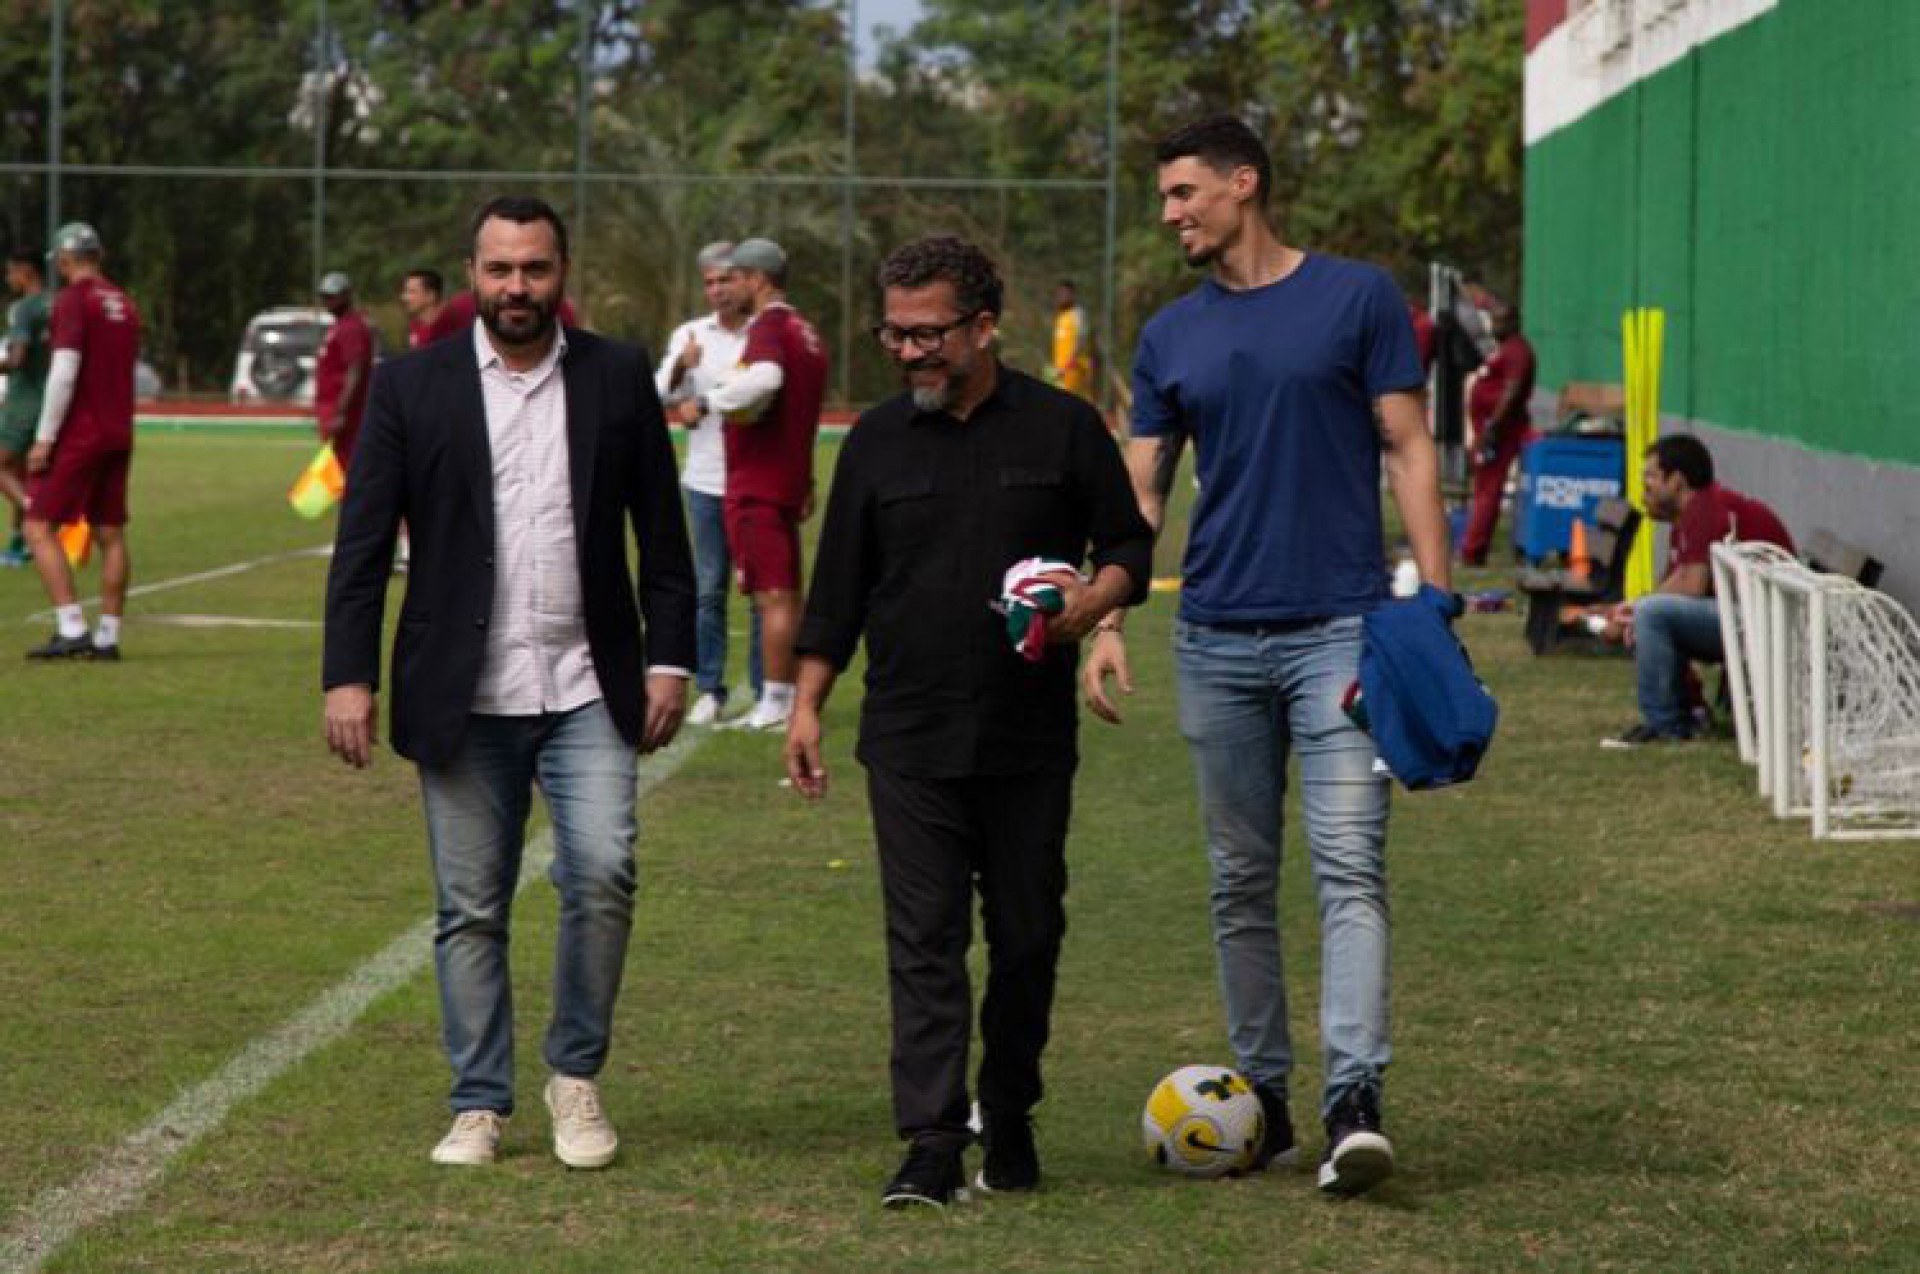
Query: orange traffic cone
[[1579, 565], [76, 540]]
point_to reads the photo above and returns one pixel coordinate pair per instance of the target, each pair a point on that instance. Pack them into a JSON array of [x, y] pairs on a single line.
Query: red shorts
[[84, 481], [764, 539]]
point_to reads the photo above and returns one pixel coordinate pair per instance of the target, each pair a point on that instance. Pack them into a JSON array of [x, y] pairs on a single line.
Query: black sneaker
[[1012, 1164], [1359, 1156], [107, 654], [58, 647], [932, 1174], [1642, 735], [1276, 1137]]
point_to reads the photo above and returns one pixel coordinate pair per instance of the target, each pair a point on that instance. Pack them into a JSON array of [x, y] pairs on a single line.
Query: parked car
[[277, 354]]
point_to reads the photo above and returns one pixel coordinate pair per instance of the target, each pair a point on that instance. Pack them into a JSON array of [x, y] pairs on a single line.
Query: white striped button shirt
[[537, 658]]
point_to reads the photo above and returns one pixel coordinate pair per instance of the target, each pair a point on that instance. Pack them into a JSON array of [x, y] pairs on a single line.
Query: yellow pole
[[1646, 334]]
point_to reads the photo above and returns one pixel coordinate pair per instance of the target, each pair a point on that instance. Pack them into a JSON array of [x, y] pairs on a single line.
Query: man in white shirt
[[772, 408], [699, 354], [526, 652]]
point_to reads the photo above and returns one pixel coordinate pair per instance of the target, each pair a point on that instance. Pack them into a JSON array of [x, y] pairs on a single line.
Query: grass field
[[1639, 1024]]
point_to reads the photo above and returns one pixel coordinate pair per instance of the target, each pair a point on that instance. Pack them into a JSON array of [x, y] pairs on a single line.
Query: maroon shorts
[[83, 482], [764, 539]]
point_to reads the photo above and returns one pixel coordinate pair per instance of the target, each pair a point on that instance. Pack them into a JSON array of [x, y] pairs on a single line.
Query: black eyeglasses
[[894, 337]]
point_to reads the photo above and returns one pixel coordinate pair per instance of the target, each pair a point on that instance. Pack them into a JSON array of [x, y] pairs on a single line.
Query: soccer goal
[[1743, 636], [1841, 704]]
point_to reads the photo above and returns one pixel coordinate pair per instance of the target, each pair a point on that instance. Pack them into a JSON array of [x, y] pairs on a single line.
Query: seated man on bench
[[1681, 621]]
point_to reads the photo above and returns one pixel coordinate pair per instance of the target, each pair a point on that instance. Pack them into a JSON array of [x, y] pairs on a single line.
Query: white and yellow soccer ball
[[1203, 1121]]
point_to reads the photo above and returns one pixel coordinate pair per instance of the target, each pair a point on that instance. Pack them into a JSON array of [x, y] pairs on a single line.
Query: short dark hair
[[518, 208], [431, 278], [1685, 455], [943, 258], [1223, 143], [27, 257]]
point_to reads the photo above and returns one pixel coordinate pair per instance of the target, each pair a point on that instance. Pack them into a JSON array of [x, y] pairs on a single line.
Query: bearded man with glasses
[[969, 745]]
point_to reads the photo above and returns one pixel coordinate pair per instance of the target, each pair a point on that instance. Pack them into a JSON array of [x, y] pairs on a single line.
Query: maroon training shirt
[[349, 344], [96, 318], [771, 459], [1718, 513]]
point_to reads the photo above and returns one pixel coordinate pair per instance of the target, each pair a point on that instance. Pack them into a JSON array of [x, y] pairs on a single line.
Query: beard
[[933, 397], [1201, 257], [526, 323], [940, 396]]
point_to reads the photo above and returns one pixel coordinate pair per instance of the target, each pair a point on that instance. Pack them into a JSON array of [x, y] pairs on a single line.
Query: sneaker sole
[[904, 1202], [462, 1160], [980, 1184], [1363, 1161], [585, 1163]]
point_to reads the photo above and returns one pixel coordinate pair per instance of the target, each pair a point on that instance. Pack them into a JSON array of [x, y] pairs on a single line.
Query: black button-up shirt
[[926, 515]]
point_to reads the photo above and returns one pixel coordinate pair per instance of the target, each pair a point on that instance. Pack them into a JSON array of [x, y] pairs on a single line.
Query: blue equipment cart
[[1563, 478]]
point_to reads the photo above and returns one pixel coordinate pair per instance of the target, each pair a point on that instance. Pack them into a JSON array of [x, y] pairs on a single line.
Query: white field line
[[122, 1179], [223, 621], [200, 577]]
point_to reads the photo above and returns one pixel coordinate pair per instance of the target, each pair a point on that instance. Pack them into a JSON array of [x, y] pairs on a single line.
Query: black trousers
[[939, 839]]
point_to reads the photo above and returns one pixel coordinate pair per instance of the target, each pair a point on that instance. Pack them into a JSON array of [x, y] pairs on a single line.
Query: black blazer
[[423, 455]]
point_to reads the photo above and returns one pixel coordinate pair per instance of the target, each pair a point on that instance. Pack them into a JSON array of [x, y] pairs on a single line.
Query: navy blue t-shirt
[[1276, 385]]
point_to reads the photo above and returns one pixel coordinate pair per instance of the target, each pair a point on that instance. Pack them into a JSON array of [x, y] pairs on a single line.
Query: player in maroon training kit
[[83, 446], [344, 369], [772, 408]]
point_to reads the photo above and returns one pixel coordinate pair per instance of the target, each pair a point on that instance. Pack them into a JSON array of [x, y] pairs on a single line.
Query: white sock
[[72, 621], [777, 696], [107, 631]]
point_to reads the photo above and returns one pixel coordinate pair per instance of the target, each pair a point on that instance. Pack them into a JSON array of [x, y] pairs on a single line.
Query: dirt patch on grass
[[1893, 910]]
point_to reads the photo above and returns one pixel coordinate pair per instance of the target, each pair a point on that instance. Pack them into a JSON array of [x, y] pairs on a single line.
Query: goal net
[[1743, 636], [1841, 704]]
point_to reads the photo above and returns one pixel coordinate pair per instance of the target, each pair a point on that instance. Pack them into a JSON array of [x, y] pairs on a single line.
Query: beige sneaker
[[764, 716], [582, 1137], [473, 1140]]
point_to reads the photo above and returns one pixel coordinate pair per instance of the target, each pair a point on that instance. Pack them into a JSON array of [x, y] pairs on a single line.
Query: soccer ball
[[1203, 1121]]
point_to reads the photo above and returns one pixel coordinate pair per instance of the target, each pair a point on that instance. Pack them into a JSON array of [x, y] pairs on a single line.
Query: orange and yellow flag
[[319, 486]]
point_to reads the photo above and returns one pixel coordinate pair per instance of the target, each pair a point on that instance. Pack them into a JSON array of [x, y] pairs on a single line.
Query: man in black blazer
[[517, 454]]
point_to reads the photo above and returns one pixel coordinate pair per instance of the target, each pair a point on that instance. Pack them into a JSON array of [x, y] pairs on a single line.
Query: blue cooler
[[1561, 479]]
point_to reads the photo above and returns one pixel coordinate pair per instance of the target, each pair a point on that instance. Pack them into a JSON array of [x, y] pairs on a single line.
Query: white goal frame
[[1743, 638], [1823, 728]]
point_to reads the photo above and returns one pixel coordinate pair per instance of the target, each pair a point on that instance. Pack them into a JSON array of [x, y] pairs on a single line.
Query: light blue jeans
[[1249, 697], [477, 807], [1668, 631], [713, 582]]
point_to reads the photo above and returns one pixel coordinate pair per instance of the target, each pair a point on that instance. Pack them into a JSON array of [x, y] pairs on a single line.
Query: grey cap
[[77, 237], [763, 255], [335, 283]]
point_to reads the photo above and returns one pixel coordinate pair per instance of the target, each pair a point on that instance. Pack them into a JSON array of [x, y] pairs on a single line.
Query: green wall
[[1764, 191]]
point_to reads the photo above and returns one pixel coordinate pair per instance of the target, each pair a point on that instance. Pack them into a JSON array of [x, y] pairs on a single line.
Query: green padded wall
[[1765, 191]]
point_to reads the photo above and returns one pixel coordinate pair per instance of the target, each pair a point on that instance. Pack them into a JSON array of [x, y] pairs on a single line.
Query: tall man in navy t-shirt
[[1297, 377]]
